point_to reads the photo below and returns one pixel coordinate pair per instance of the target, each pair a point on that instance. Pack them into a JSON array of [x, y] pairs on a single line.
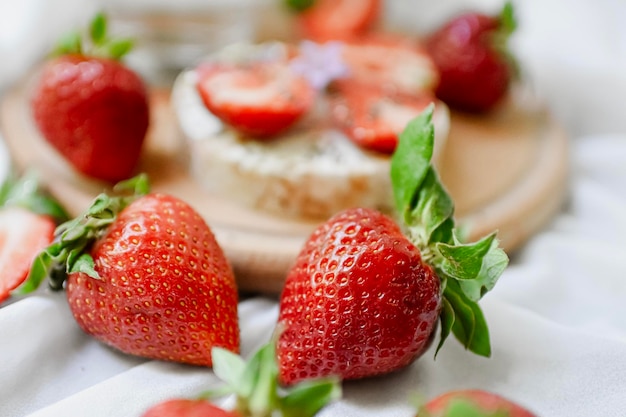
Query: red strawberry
[[474, 65], [260, 99], [363, 298], [182, 407], [255, 385], [92, 108], [373, 118], [327, 20], [472, 402], [396, 64], [146, 276], [28, 217], [371, 303]]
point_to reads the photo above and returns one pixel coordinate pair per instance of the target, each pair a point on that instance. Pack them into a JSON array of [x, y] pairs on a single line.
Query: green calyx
[[26, 192], [69, 252], [299, 5], [500, 38], [258, 394], [466, 270], [96, 42], [463, 408]]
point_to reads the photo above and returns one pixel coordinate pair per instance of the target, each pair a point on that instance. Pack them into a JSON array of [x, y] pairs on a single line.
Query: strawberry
[[373, 118], [184, 407], [324, 20], [470, 53], [365, 293], [259, 99], [472, 403], [255, 385], [145, 275], [394, 63], [91, 108], [28, 218]]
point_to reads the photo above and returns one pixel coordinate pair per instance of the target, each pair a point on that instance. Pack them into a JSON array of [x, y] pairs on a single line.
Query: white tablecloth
[[557, 316]]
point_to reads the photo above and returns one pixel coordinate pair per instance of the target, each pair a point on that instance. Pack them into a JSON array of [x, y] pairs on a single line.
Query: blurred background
[[573, 52]]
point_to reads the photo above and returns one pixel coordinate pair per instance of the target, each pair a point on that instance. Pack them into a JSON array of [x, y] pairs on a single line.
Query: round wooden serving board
[[505, 171]]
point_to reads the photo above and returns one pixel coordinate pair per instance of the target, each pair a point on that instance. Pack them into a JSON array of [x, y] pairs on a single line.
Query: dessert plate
[[505, 171]]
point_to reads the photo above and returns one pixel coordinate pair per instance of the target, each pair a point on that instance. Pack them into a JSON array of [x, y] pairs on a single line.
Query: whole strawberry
[[475, 67], [364, 295], [256, 388], [472, 403], [146, 276], [92, 108]]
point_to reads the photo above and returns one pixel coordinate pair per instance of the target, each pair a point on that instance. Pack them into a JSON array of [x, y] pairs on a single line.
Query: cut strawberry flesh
[[394, 64], [374, 119], [23, 235], [339, 19], [260, 100]]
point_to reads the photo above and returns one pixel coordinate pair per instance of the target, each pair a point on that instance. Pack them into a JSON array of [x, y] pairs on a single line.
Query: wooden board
[[505, 171]]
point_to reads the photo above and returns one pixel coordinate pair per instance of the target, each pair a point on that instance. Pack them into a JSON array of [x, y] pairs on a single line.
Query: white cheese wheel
[[311, 171]]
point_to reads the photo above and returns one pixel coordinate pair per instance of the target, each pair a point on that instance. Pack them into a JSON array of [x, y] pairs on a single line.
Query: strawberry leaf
[[26, 192], [299, 5], [410, 162], [117, 48], [446, 320], [467, 270], [432, 212], [98, 29], [69, 43], [469, 326], [307, 398], [465, 408], [464, 261], [494, 263], [228, 366]]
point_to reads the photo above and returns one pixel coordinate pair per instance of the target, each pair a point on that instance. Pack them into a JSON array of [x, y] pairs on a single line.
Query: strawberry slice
[[373, 118], [260, 99], [338, 19], [23, 234], [397, 63]]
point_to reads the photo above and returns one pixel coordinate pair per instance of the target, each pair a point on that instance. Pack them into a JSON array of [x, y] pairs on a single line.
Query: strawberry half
[[145, 275], [365, 293], [471, 54], [372, 117], [259, 99], [23, 234], [28, 217], [472, 402], [393, 63], [325, 20], [91, 108]]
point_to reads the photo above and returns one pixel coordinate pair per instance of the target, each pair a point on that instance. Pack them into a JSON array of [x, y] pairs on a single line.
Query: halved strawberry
[[28, 217], [260, 99], [373, 118], [393, 62], [23, 234], [338, 19]]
